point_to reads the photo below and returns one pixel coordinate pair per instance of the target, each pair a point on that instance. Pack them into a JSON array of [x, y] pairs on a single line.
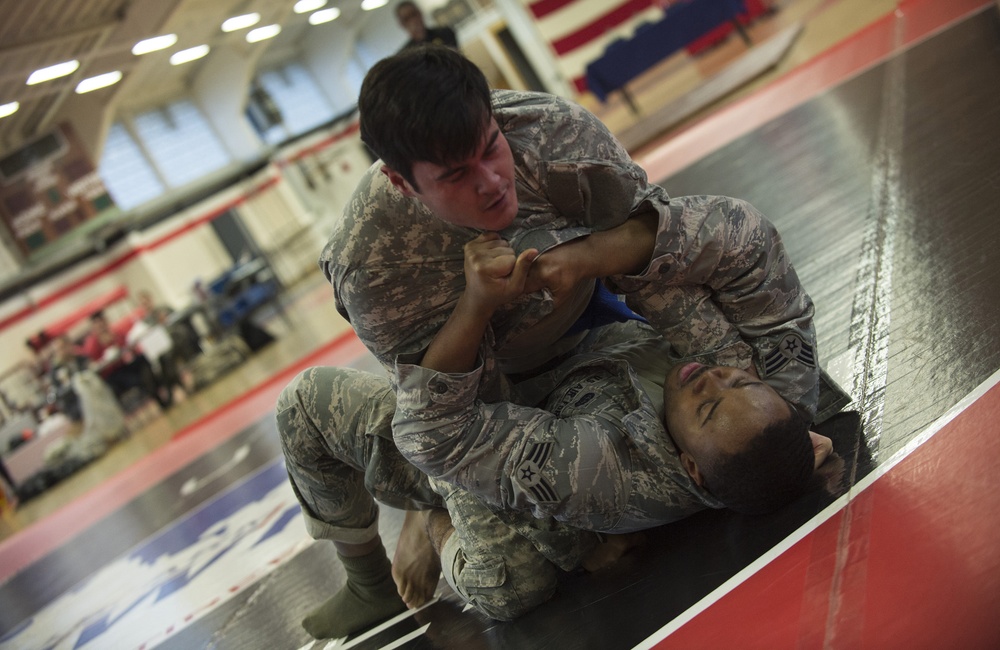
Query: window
[[300, 100], [181, 143], [126, 172]]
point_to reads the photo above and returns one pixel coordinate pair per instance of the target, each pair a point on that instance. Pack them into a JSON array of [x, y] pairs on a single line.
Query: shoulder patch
[[791, 348], [529, 474]]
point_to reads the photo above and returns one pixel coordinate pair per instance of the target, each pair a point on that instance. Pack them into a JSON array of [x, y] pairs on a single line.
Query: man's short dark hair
[[426, 104], [773, 470], [407, 3]]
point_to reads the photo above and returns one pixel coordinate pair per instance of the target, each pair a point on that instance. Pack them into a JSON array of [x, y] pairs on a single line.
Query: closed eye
[[714, 404]]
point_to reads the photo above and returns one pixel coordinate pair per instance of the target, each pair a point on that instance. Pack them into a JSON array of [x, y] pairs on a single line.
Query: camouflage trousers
[[335, 426]]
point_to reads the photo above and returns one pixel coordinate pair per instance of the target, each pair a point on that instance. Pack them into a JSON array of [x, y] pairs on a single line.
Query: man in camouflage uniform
[[593, 453], [604, 413], [337, 438], [709, 273]]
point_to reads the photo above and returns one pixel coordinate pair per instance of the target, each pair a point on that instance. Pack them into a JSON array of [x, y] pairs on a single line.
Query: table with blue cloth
[[625, 59]]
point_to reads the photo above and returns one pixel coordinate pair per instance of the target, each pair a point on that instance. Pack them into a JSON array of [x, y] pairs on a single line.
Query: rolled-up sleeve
[[720, 279]]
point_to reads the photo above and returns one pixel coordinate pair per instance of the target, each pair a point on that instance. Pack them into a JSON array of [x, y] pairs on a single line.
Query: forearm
[[624, 250], [494, 276], [456, 344]]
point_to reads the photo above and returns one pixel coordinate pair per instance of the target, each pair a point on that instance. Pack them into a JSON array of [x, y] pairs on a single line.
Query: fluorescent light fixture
[[190, 54], [368, 5], [324, 16], [153, 44], [53, 72], [100, 81], [240, 22], [263, 33], [9, 109], [305, 6]]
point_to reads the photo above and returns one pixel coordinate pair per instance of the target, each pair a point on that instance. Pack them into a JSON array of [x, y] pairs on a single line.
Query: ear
[[822, 448], [691, 467], [401, 184]]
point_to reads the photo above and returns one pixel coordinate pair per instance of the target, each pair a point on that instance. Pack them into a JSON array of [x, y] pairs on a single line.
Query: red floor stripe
[[43, 537], [918, 568], [933, 567]]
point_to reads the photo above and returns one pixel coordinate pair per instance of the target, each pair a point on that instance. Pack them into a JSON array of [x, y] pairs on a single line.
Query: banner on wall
[[48, 188]]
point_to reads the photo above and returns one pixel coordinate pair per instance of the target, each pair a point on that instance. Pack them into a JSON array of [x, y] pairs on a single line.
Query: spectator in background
[[66, 360], [411, 19], [119, 365], [184, 344]]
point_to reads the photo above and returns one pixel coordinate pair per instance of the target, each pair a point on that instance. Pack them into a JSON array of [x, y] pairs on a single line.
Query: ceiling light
[[153, 44], [305, 6], [324, 16], [100, 81], [53, 72], [190, 54], [240, 22], [368, 5], [263, 33], [8, 109]]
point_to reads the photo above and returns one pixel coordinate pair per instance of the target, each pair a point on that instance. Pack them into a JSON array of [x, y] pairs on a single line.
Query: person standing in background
[[411, 19]]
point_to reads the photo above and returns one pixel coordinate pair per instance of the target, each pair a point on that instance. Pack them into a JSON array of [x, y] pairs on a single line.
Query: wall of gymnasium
[[292, 203], [288, 207]]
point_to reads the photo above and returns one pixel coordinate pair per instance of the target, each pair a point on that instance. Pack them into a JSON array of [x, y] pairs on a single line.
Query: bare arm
[[494, 275], [623, 250]]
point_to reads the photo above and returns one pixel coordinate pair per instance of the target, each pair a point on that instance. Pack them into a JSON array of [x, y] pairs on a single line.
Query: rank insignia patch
[[529, 473], [791, 348]]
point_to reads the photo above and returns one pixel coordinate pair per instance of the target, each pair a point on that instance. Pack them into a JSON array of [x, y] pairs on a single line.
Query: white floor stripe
[[820, 518], [336, 644], [400, 641]]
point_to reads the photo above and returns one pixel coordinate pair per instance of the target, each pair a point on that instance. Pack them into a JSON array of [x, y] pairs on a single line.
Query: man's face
[[412, 21], [713, 409], [478, 192]]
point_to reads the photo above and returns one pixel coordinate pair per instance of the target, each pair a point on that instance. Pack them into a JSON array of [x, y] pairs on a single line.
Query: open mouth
[[689, 371]]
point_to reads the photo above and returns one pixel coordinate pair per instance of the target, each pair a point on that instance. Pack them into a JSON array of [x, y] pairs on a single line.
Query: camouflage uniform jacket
[[719, 280], [594, 454]]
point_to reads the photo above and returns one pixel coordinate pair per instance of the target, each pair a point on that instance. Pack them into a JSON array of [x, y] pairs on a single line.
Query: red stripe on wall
[[545, 7], [598, 27], [323, 144], [117, 263], [127, 257]]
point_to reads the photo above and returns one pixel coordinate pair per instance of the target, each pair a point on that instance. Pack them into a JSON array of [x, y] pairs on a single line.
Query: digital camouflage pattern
[[335, 431], [593, 454], [721, 283], [397, 271]]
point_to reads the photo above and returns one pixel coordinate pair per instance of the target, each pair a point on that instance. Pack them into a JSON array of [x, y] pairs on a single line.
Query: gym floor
[[879, 162]]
